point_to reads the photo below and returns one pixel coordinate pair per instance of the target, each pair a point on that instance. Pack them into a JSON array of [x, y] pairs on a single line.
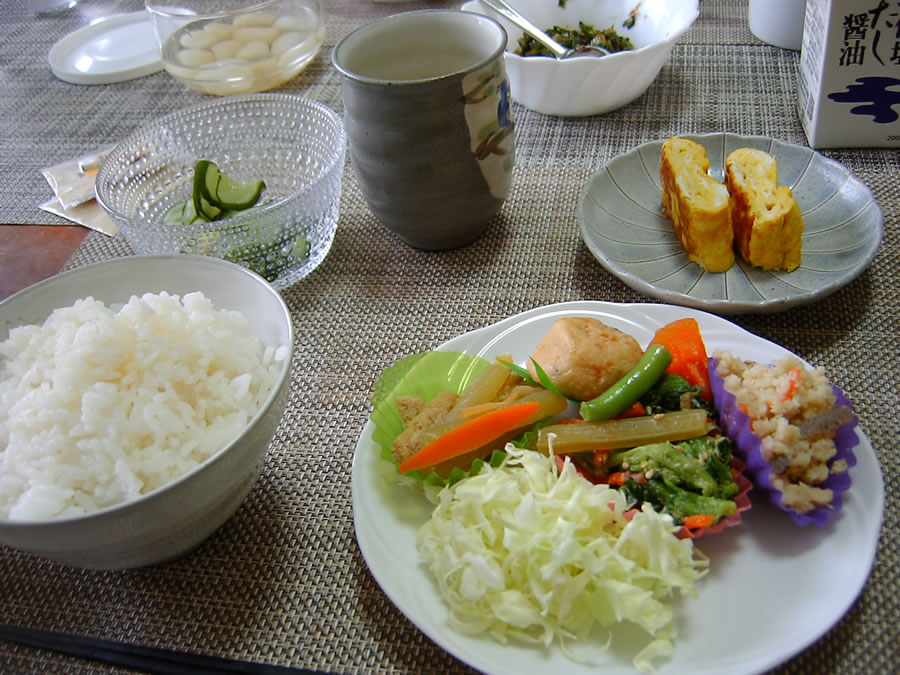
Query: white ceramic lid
[[111, 49]]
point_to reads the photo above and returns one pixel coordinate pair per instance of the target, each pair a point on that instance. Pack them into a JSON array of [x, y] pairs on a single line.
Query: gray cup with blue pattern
[[427, 115]]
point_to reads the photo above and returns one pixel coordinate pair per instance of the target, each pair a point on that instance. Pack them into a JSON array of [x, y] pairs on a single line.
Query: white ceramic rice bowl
[[172, 520], [583, 86]]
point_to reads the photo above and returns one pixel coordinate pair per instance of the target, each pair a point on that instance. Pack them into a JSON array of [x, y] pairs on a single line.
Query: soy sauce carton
[[849, 78]]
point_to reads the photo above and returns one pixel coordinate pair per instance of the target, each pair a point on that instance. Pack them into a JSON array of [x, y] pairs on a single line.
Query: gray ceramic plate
[[622, 223]]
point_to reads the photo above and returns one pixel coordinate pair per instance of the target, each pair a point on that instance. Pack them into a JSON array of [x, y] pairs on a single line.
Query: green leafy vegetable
[[688, 478], [673, 392], [677, 502], [573, 38]]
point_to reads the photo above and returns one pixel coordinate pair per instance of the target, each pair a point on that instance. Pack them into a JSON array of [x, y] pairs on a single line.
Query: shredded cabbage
[[528, 552]]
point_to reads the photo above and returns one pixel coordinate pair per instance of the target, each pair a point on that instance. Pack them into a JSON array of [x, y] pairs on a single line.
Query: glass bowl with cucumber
[[254, 179]]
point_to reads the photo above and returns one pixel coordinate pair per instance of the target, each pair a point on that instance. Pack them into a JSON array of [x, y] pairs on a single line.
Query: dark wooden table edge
[[32, 253]]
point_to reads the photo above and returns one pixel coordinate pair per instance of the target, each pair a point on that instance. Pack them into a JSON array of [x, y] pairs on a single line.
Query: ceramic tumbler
[[427, 114]]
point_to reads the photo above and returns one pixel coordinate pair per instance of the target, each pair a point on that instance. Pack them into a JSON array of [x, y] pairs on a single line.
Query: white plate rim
[[130, 69], [489, 657], [724, 305]]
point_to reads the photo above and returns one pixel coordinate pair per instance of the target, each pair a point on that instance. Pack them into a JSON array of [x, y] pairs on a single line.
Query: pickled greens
[[527, 551]]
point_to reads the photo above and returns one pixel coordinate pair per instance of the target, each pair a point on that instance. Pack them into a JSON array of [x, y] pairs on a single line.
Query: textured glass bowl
[[295, 145]]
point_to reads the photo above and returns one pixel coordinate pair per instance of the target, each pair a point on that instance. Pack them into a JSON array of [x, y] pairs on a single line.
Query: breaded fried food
[[417, 416], [768, 226], [583, 356], [429, 424], [697, 204]]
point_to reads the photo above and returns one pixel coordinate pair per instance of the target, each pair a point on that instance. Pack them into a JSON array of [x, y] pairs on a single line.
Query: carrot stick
[[617, 478], [689, 359], [472, 411], [636, 410], [793, 380], [697, 521], [471, 435]]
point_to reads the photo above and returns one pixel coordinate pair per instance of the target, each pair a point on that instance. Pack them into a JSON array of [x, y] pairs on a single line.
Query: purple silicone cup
[[736, 425]]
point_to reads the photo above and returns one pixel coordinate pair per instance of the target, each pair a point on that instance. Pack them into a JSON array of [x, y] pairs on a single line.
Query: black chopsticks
[[147, 659]]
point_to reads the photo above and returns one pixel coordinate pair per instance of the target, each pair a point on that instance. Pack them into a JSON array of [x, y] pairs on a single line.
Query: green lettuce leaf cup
[[424, 375]]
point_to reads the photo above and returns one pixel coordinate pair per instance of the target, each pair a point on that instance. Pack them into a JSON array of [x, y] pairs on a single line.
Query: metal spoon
[[560, 52]]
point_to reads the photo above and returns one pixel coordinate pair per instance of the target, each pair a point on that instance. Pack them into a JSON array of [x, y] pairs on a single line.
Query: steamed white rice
[[100, 405]]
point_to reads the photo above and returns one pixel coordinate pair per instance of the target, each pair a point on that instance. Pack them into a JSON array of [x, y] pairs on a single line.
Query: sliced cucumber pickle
[[174, 215], [206, 178], [203, 206], [230, 194], [216, 197]]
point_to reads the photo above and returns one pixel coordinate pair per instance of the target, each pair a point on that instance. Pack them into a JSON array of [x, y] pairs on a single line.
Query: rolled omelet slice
[[768, 225], [697, 204]]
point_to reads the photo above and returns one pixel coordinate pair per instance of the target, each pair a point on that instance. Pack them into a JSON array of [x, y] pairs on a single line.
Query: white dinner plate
[[773, 588], [622, 223]]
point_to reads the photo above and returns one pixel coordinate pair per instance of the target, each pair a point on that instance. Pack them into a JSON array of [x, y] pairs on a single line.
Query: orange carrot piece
[[793, 381], [617, 478], [471, 435], [473, 411], [698, 521], [689, 359], [636, 410]]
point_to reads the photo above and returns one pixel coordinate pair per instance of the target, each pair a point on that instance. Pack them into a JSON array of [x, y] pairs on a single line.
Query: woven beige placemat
[[283, 581]]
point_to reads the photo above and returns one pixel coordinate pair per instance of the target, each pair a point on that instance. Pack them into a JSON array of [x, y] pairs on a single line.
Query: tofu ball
[[583, 357]]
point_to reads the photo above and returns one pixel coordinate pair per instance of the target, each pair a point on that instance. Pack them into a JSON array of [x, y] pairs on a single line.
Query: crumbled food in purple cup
[[793, 429]]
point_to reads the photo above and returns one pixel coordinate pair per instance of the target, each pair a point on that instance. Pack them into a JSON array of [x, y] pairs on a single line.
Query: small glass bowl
[[225, 47], [297, 146]]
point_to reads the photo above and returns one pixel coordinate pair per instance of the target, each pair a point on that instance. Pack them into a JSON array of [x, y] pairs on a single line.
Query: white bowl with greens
[[253, 179], [591, 85]]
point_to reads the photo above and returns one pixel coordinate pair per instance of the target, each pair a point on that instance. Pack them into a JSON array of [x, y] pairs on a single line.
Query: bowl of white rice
[[138, 397]]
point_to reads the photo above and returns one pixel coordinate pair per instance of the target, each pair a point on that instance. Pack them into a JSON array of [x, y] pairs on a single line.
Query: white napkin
[[72, 183], [90, 214]]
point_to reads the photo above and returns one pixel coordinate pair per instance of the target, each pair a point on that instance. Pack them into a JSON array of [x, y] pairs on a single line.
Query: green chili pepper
[[619, 397]]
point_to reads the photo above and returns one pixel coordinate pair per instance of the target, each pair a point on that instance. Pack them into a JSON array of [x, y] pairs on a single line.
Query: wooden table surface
[[31, 253]]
